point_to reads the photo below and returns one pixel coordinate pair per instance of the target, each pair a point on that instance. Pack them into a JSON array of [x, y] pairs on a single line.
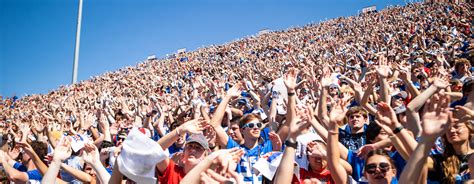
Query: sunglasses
[[252, 125], [371, 168]]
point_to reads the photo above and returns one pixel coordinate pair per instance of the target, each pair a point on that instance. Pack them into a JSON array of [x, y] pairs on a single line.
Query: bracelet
[[291, 93], [333, 132], [398, 129], [291, 144]]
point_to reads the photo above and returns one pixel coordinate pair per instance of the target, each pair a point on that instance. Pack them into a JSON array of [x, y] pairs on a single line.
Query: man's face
[[251, 130], [356, 121], [234, 132], [194, 153]]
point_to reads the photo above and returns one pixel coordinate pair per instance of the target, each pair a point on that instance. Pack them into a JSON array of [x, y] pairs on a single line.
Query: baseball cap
[[198, 138]]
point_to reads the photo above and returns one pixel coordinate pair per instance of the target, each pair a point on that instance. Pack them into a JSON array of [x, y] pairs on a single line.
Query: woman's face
[[379, 170], [316, 161], [458, 133]]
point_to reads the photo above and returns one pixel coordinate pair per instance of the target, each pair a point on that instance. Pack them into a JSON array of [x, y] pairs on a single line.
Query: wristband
[[291, 144], [291, 93], [398, 129]]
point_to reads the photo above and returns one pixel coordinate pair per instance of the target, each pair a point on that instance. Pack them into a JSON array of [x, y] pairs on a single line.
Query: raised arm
[[61, 153], [91, 156], [284, 173], [387, 117], [365, 99], [414, 106], [355, 86], [40, 165], [290, 82], [323, 132], [322, 107], [192, 126], [383, 72], [338, 173], [216, 120], [436, 120]]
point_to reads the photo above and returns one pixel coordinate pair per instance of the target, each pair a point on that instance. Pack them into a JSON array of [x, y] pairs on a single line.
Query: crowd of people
[[380, 97]]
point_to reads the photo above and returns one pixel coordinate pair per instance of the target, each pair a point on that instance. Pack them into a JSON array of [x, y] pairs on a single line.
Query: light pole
[[78, 42]]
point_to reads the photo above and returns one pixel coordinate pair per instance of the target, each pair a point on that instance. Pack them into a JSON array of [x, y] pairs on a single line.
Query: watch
[[291, 144], [398, 130]]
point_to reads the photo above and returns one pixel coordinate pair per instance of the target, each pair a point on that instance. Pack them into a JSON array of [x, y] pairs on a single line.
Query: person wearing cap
[[195, 150]]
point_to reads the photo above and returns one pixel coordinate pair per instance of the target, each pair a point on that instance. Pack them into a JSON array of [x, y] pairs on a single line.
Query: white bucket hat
[[139, 157]]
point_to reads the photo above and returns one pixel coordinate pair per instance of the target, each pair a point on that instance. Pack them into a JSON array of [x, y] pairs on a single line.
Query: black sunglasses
[[371, 168]]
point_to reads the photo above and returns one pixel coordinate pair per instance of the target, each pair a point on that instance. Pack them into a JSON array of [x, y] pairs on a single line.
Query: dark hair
[[381, 153], [40, 148], [467, 87], [373, 129]]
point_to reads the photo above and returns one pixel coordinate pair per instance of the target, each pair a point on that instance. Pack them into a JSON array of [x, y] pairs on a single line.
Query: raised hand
[[87, 122], [63, 150], [91, 154], [315, 149], [436, 116], [326, 81], [465, 112], [440, 83], [276, 140], [39, 127], [405, 75], [383, 69], [365, 149], [298, 124], [386, 115], [26, 148], [225, 161], [235, 90], [14, 153], [338, 112], [194, 126], [290, 79]]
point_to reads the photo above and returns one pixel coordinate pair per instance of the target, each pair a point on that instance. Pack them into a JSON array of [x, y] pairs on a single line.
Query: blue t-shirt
[[32, 175], [352, 141], [244, 167], [174, 149]]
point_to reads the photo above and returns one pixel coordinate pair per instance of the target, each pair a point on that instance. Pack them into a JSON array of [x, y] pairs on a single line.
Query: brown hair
[[40, 148], [357, 109], [460, 62], [380, 152], [247, 118]]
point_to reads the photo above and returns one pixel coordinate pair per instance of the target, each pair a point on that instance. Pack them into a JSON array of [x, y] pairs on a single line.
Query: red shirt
[[324, 176], [172, 175]]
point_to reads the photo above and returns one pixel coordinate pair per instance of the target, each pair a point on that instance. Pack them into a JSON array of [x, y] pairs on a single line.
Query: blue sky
[[37, 37]]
